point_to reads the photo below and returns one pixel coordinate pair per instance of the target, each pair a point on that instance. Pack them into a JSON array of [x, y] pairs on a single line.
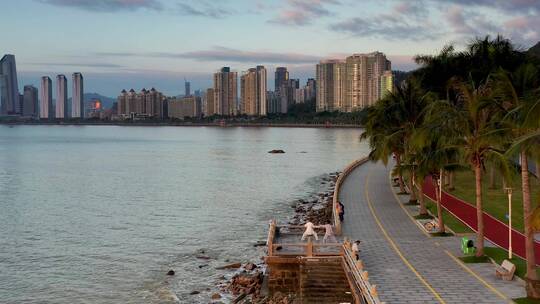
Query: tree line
[[464, 110]]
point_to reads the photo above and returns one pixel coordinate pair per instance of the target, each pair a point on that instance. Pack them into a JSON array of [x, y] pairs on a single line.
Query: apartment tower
[[9, 87], [46, 105], [30, 101], [77, 99], [61, 97], [253, 92], [225, 92]]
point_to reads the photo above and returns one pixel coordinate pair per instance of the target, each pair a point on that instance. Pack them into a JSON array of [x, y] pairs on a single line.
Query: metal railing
[[363, 291], [339, 181]]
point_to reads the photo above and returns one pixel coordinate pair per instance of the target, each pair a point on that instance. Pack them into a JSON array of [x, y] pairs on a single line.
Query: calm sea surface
[[100, 214]]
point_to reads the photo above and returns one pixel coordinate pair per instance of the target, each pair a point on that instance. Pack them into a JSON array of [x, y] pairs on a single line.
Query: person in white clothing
[[356, 249], [309, 231], [329, 233]]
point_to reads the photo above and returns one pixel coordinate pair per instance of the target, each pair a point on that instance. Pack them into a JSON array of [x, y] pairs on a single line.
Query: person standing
[[356, 249], [329, 233], [310, 231], [341, 210]]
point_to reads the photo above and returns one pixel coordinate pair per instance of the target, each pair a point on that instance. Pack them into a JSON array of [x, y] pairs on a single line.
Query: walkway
[[406, 265]]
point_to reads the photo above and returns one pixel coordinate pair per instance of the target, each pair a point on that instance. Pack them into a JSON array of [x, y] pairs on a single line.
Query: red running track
[[494, 230]]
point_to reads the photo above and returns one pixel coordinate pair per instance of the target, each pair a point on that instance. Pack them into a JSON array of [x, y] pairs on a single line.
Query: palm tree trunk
[[538, 171], [492, 184], [529, 235], [400, 176], [412, 198], [439, 208], [451, 176], [479, 210], [423, 210]]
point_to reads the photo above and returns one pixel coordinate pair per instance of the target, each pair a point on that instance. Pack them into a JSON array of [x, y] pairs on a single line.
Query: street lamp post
[[509, 192]]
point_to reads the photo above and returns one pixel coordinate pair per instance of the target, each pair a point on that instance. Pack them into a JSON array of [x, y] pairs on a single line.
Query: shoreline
[[184, 124], [245, 285]]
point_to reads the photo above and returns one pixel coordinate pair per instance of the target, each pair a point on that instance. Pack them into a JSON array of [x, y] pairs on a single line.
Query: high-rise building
[[9, 87], [325, 84], [273, 102], [386, 85], [253, 92], [46, 104], [146, 104], [281, 78], [77, 99], [364, 72], [226, 92], [311, 89], [30, 101], [184, 107], [287, 94], [355, 83], [187, 90], [208, 103], [339, 103], [61, 97]]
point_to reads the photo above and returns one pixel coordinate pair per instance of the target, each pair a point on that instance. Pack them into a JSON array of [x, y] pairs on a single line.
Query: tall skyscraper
[[311, 89], [253, 91], [226, 92], [325, 84], [30, 101], [386, 84], [281, 78], [77, 98], [354, 83], [9, 87], [61, 97], [46, 104], [187, 85], [364, 72], [287, 94], [209, 104]]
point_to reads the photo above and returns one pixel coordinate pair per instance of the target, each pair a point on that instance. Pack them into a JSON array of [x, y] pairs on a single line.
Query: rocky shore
[[246, 284]]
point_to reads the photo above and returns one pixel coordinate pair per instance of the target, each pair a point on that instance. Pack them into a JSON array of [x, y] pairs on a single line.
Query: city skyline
[[292, 33]]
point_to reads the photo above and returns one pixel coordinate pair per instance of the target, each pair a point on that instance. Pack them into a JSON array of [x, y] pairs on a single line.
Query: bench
[[506, 270]]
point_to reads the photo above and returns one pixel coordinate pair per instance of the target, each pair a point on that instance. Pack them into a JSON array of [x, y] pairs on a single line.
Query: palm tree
[[469, 124], [518, 94], [381, 130]]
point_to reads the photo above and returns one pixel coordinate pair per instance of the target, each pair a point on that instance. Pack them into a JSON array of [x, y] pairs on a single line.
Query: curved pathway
[[406, 264]]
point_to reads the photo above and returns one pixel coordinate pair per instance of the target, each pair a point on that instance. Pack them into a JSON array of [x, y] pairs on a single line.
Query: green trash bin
[[467, 246]]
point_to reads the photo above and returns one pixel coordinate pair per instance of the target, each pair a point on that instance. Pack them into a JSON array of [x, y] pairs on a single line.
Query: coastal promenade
[[406, 264]]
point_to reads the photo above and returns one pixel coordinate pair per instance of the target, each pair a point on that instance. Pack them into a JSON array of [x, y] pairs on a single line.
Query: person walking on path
[[329, 233], [341, 210], [310, 231], [356, 249]]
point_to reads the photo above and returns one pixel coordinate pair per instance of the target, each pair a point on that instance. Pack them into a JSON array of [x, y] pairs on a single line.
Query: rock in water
[[216, 296], [194, 292], [250, 266], [276, 151], [170, 272]]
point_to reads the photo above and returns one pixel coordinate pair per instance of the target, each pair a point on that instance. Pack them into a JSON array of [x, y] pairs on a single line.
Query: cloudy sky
[[120, 44]]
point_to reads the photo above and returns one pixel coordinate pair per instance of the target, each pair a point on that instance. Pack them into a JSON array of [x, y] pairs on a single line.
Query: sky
[[123, 44]]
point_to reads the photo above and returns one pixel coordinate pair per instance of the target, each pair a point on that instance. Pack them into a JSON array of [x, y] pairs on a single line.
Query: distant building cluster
[[342, 85], [152, 104], [353, 83], [42, 105]]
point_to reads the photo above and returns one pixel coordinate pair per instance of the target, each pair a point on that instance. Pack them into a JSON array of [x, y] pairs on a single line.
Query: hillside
[[535, 50], [106, 102]]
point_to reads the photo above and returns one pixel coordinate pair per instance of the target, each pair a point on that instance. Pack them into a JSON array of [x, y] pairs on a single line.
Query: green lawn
[[449, 220], [495, 201], [526, 301]]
